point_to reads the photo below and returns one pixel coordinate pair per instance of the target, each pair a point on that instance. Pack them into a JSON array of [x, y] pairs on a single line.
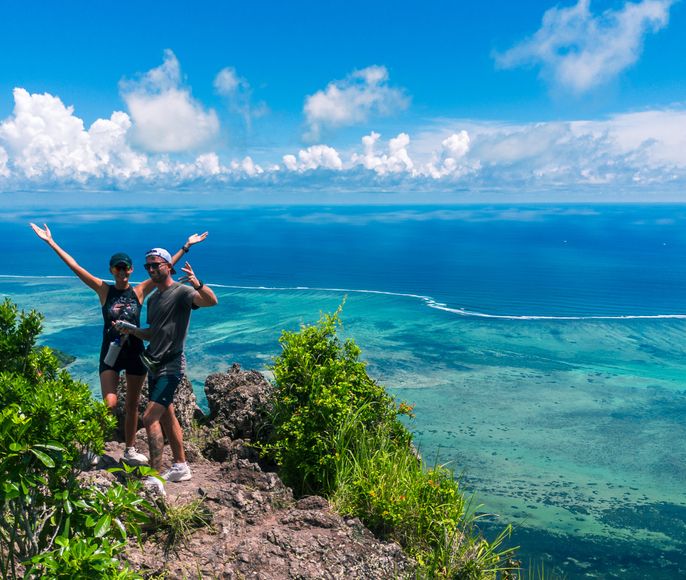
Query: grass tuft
[[177, 522]]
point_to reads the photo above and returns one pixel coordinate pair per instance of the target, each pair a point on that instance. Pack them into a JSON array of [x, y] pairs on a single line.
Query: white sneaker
[[132, 457], [154, 485], [178, 472]]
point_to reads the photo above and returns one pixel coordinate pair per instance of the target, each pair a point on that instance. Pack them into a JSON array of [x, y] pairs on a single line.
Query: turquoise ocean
[[544, 347]]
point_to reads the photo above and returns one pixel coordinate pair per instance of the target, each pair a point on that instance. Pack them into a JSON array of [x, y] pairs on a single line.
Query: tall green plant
[[318, 380]]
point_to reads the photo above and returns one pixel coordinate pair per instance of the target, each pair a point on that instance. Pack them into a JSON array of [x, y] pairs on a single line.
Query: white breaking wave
[[431, 303], [463, 312], [427, 300]]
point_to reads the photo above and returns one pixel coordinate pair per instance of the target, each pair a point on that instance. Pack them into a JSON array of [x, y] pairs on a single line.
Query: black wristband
[[185, 249], [201, 285]]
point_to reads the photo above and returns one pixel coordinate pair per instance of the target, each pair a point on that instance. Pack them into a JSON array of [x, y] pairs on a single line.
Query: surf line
[[427, 300], [431, 303]]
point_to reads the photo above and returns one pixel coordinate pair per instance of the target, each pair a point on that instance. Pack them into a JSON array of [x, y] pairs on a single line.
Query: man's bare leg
[[151, 420], [172, 428]]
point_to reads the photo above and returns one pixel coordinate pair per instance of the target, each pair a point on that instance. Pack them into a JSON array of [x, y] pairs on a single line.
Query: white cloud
[[227, 82], [238, 92], [290, 162], [44, 143], [648, 147], [247, 167], [312, 158], [109, 143], [397, 160], [208, 164], [4, 170], [579, 51], [353, 100], [44, 140], [166, 118], [658, 135], [447, 161]]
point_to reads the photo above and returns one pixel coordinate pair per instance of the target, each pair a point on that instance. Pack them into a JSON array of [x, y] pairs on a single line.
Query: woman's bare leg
[[108, 387], [134, 383]]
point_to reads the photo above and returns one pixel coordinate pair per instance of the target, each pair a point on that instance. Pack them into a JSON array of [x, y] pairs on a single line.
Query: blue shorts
[[161, 389]]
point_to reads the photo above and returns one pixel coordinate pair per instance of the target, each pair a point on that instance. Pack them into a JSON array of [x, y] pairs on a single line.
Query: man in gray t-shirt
[[169, 313]]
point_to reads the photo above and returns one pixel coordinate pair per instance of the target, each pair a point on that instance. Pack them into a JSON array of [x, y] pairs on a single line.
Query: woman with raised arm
[[120, 302]]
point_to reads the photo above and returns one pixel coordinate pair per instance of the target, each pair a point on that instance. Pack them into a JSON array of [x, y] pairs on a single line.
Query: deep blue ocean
[[543, 346]]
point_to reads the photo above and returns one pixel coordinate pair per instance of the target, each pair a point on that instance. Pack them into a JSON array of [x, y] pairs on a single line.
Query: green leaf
[[122, 529], [103, 526], [52, 445], [44, 457]]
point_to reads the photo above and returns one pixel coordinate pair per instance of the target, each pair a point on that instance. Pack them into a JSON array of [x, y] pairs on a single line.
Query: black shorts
[[129, 360], [161, 389]]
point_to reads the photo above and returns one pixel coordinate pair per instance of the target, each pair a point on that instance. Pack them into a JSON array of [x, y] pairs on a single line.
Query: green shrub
[[54, 407], [81, 558], [18, 332], [48, 520], [337, 433], [318, 380]]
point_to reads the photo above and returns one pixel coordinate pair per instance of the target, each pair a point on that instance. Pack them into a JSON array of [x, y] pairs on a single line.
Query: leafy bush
[[81, 557], [337, 432], [318, 380], [48, 520], [18, 334]]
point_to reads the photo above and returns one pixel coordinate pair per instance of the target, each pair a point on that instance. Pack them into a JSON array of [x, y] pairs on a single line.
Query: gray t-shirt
[[169, 314]]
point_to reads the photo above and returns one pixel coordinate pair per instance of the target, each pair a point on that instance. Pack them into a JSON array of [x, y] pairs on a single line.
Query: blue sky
[[432, 97]]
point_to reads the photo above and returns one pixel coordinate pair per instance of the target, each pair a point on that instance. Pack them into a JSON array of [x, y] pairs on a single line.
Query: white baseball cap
[[161, 253]]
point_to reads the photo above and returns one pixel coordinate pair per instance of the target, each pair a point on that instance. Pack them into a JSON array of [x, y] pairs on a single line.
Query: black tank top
[[121, 305]]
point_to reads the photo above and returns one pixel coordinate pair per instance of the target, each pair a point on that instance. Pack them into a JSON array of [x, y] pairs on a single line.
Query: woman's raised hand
[[44, 234]]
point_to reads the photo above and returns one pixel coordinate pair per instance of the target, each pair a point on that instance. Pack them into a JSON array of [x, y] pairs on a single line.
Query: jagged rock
[[238, 401], [226, 449], [260, 532], [185, 405], [312, 502], [313, 544]]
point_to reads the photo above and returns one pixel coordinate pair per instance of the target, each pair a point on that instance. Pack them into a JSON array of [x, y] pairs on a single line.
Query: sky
[[438, 98]]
